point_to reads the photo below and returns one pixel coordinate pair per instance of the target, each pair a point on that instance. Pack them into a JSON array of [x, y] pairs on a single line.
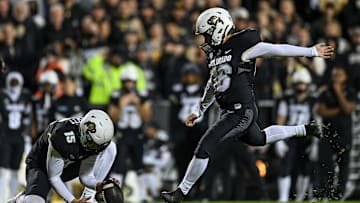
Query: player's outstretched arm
[[263, 49], [324, 51]]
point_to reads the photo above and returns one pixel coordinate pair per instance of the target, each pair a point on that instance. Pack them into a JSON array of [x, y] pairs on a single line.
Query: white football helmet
[[96, 126], [50, 77], [301, 76], [215, 22], [129, 73]]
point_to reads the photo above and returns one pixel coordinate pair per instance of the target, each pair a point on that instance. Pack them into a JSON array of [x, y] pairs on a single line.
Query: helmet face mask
[[96, 130], [216, 23], [86, 139]]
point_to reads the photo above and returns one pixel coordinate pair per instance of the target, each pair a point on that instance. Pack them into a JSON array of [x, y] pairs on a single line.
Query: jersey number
[[130, 118], [14, 120], [299, 115], [221, 78], [188, 104], [70, 137]]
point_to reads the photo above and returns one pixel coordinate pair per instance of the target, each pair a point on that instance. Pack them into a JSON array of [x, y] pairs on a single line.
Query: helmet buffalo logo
[[90, 127], [213, 20]]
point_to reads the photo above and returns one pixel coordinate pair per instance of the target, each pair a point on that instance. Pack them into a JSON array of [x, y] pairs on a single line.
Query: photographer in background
[[129, 110]]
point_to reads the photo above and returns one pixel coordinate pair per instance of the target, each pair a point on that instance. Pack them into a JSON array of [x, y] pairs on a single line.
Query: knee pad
[[32, 199]]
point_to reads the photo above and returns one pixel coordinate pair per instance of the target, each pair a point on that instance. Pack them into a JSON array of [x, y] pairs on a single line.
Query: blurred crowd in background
[[139, 61]]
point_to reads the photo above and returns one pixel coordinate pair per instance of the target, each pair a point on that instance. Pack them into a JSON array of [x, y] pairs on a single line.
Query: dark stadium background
[[157, 36]]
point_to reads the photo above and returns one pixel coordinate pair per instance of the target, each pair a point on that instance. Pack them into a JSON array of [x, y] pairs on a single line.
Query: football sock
[[194, 171], [4, 184], [153, 184], [302, 184], [279, 132], [14, 183], [33, 199], [284, 184], [142, 187]]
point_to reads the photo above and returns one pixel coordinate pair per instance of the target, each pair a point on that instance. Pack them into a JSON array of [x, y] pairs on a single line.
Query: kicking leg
[[207, 144], [279, 132]]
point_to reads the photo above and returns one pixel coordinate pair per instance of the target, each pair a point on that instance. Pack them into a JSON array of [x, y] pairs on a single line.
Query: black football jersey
[[67, 106], [15, 112], [65, 139], [42, 108], [232, 78], [184, 99], [298, 112]]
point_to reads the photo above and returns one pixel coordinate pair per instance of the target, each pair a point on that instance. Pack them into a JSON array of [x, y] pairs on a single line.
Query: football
[[110, 193]]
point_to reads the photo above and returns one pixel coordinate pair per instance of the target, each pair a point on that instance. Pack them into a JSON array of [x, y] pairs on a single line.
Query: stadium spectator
[[69, 104], [328, 14], [51, 62], [147, 15], [142, 59], [73, 13], [335, 105], [241, 18], [295, 108], [111, 7], [173, 57], [155, 41], [101, 73], [28, 34], [121, 22], [57, 29], [36, 12], [353, 58], [101, 19], [184, 97], [11, 48], [130, 110], [287, 12], [15, 113], [157, 160], [5, 14], [160, 42], [43, 100]]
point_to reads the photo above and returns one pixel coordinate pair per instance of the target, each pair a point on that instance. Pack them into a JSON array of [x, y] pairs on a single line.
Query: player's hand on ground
[[324, 51], [190, 120], [82, 200]]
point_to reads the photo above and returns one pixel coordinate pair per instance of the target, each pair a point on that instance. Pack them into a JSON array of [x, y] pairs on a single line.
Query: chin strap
[[207, 49]]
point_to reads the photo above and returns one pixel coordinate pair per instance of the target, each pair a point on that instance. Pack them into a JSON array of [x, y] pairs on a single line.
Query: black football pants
[[239, 124]]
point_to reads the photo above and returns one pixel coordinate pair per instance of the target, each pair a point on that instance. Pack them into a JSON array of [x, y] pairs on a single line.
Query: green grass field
[[244, 202], [256, 202]]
